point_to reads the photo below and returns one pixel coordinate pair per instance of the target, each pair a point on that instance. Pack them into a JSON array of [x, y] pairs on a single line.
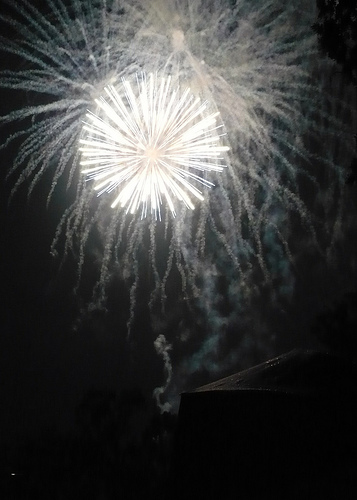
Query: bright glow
[[150, 145]]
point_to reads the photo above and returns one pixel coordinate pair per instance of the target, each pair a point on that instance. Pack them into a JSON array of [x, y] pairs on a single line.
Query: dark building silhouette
[[283, 429]]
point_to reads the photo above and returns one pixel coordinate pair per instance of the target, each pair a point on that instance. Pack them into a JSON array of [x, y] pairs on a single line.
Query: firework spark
[[153, 145]]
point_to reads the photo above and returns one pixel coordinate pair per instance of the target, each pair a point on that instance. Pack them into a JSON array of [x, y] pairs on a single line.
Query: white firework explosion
[[256, 63], [155, 145]]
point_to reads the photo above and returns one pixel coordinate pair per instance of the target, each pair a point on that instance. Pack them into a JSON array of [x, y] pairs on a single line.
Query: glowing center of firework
[[153, 154], [150, 145]]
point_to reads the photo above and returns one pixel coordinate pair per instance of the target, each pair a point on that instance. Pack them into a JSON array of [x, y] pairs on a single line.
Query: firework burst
[[156, 145], [254, 62]]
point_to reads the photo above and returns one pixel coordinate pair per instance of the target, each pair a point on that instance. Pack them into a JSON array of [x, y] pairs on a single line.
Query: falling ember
[[151, 145]]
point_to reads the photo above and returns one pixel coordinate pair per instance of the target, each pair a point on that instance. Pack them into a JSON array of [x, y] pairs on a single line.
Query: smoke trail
[[163, 348]]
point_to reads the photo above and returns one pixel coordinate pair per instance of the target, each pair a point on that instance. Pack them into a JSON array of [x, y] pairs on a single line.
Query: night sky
[[52, 352]]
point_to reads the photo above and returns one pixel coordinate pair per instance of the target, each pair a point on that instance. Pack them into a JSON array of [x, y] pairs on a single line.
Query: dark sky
[[49, 359]]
